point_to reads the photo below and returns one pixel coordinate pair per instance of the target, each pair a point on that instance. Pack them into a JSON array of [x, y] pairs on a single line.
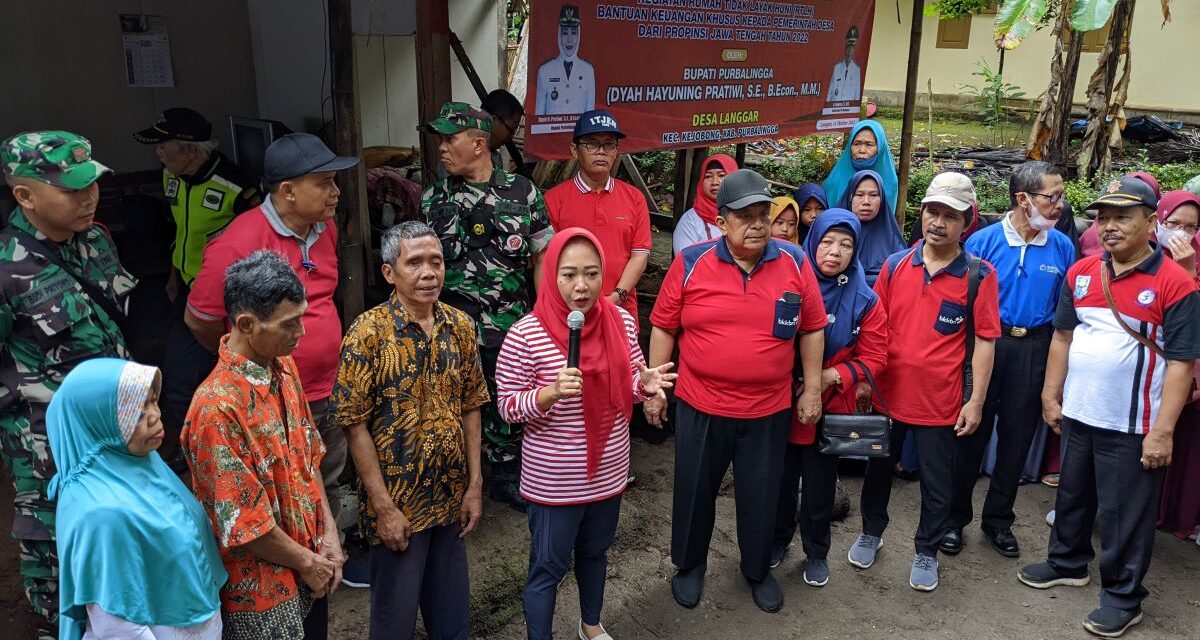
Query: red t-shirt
[[617, 215], [927, 344], [737, 344], [869, 350], [260, 228]]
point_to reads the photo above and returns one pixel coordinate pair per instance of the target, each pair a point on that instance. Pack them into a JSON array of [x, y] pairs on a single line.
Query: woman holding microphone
[[575, 448]]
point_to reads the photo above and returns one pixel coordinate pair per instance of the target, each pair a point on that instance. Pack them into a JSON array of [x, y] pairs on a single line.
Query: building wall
[[1160, 56], [64, 69], [387, 71]]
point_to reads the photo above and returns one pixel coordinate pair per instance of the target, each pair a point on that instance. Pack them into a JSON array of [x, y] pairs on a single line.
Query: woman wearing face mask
[[575, 447], [855, 340], [866, 149], [699, 223], [785, 220], [866, 198], [1179, 508], [137, 558], [812, 201]]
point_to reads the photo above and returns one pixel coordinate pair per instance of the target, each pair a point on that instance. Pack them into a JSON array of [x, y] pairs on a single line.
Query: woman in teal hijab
[[866, 149], [136, 552]]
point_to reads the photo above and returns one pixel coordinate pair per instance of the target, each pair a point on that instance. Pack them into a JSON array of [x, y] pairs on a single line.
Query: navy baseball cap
[[596, 121], [176, 123], [298, 154], [1125, 192]]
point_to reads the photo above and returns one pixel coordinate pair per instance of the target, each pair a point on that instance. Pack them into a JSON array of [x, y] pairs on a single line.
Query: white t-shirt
[[691, 230]]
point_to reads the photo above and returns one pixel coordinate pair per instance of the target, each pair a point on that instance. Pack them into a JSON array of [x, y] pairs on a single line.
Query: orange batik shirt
[[254, 453]]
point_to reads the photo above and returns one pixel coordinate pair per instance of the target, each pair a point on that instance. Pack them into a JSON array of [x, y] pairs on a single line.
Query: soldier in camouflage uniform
[[48, 324], [494, 228]]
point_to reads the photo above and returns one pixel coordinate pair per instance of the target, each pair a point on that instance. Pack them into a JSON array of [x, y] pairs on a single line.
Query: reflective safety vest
[[203, 205]]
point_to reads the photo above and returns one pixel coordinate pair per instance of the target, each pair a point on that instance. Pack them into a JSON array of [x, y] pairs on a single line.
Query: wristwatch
[[622, 294]]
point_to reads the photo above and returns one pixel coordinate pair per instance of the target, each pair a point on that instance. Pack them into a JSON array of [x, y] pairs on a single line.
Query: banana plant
[[1016, 19]]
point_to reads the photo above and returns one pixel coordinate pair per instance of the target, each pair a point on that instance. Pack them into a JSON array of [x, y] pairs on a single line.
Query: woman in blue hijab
[[136, 552], [867, 149], [855, 342], [867, 198]]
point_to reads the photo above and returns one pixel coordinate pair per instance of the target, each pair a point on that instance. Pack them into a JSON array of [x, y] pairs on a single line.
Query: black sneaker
[[1110, 622], [356, 574], [688, 586], [1044, 576], [778, 551], [767, 594]]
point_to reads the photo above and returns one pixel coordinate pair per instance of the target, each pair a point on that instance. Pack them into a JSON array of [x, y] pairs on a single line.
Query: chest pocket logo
[[951, 317], [213, 198]]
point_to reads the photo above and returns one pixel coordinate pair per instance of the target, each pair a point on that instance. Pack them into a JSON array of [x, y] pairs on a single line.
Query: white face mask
[[1040, 222], [1164, 235]]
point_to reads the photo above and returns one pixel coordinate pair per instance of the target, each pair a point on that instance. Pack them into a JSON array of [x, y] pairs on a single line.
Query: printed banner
[[694, 73]]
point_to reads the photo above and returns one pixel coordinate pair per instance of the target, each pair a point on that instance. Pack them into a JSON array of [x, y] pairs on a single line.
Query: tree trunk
[[910, 108], [1051, 132], [1106, 96]]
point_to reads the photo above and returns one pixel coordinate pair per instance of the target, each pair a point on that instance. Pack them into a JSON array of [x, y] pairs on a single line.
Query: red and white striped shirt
[[554, 443]]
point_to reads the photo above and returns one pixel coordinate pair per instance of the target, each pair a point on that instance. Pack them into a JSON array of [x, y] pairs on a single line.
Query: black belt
[[1041, 331]]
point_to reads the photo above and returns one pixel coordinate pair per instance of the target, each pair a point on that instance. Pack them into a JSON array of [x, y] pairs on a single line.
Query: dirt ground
[[979, 596]]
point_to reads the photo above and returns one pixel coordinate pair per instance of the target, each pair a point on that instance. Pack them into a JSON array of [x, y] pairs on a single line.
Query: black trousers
[[936, 450], [814, 497], [316, 623], [185, 365], [1015, 396], [430, 574], [1102, 471], [704, 447]]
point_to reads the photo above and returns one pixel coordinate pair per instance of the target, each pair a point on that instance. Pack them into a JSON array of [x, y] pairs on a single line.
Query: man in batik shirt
[[409, 392], [255, 454]]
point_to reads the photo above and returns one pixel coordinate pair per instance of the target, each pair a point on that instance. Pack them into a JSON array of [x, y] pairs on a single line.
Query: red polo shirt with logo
[[737, 334], [927, 340], [616, 214], [314, 259]]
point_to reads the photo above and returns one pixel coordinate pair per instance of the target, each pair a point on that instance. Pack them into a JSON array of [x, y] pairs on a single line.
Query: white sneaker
[[603, 634]]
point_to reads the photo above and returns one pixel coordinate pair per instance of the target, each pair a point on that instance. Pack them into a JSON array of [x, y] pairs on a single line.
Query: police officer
[[62, 291], [566, 84], [846, 83], [493, 227], [205, 190]]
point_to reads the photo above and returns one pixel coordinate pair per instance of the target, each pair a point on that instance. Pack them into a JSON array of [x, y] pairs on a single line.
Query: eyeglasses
[[596, 147], [1054, 199], [1175, 226]]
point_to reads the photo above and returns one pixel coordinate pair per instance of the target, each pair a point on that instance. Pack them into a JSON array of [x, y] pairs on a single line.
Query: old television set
[[251, 137]]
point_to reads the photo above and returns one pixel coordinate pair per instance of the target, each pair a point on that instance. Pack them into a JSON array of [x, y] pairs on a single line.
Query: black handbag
[[867, 435]]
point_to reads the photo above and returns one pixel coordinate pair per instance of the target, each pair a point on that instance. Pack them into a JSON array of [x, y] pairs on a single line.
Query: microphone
[[575, 324]]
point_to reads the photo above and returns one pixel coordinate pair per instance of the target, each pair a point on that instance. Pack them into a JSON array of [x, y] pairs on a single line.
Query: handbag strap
[[871, 381], [1112, 306], [94, 292]]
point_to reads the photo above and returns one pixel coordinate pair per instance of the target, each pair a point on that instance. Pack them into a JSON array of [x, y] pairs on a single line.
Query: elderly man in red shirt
[[613, 210], [294, 221]]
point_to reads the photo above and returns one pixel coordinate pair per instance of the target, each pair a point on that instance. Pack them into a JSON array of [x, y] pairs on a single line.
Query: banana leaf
[[1016, 19], [1089, 15]]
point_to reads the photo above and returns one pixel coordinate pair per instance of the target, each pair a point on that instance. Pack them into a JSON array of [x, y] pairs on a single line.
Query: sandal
[[1051, 480]]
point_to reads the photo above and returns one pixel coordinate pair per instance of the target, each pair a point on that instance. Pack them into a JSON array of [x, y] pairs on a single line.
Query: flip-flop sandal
[[1051, 480]]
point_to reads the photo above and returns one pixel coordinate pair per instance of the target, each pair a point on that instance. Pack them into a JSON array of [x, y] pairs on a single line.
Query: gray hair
[[390, 245], [259, 283], [206, 146], [1027, 178]]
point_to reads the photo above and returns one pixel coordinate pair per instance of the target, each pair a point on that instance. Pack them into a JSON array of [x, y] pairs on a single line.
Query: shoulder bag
[[1112, 306]]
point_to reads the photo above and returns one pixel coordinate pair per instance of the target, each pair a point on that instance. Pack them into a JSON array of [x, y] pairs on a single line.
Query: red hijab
[[603, 348], [706, 207]]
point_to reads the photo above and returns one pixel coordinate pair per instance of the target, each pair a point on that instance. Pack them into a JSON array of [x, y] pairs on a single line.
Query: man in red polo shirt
[[924, 291], [294, 221], [1118, 375], [613, 210], [740, 307]]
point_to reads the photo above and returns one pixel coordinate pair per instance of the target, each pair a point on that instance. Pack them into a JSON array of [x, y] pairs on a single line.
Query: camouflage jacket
[[490, 234], [47, 323]]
